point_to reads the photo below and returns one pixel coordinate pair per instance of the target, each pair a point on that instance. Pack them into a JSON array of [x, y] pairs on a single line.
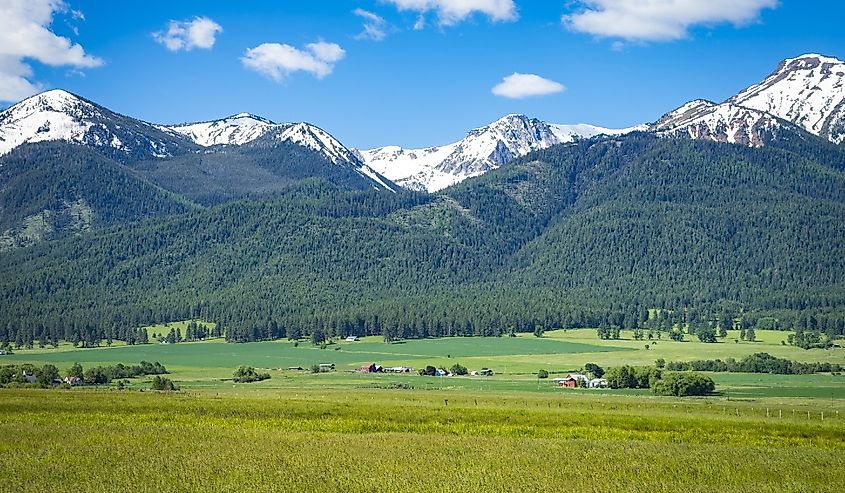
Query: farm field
[[347, 431], [515, 360], [412, 440]]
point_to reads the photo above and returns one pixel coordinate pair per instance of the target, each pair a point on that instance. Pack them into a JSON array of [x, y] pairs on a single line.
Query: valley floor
[[413, 440], [209, 365]]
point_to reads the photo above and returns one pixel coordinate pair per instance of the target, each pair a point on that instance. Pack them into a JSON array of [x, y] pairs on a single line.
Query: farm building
[[326, 366], [370, 368], [73, 381], [484, 372], [573, 380], [597, 383], [398, 369], [351, 339]]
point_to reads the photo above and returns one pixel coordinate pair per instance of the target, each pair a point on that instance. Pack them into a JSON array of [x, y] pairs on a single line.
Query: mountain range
[[275, 227]]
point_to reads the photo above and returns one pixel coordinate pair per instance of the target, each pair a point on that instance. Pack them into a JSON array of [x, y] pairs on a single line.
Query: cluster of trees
[[193, 332], [100, 375], [683, 384], [632, 377], [661, 383], [45, 376], [811, 338], [20, 375], [755, 363], [248, 374]]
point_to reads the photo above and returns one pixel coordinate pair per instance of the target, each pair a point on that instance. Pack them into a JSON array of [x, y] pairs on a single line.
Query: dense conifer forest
[[595, 234]]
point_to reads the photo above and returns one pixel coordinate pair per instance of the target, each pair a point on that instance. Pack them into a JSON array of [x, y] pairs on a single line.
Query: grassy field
[[411, 440], [515, 361], [346, 431]]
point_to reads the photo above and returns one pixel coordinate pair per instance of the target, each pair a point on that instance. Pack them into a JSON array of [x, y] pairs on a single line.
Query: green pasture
[[358, 439], [515, 361]]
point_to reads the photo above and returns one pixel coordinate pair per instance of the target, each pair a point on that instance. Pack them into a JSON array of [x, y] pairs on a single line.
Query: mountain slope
[[804, 94], [60, 115], [808, 90], [253, 131], [725, 123], [755, 227], [482, 150], [50, 190], [567, 236]]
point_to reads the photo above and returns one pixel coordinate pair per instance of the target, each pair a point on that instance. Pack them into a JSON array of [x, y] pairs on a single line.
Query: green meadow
[[354, 440], [348, 431], [515, 361]]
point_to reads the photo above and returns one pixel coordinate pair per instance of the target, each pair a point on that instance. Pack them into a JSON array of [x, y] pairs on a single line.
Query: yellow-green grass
[[401, 440]]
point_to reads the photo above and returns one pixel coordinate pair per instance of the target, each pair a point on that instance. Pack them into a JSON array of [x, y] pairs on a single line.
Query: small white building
[[351, 339], [597, 383]]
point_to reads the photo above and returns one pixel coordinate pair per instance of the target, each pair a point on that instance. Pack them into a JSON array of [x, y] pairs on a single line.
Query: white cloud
[[520, 86], [199, 32], [374, 25], [25, 34], [451, 12], [660, 20], [277, 61]]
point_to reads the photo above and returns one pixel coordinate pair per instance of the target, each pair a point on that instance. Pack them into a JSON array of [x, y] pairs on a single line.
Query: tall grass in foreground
[[405, 441]]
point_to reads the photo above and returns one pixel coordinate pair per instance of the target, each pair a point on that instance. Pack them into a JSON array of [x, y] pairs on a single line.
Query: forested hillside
[[53, 189], [259, 169], [588, 234]]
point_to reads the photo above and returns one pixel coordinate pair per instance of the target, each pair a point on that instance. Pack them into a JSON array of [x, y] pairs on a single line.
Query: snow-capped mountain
[[726, 122], [808, 91], [247, 129], [234, 130], [483, 149], [60, 115]]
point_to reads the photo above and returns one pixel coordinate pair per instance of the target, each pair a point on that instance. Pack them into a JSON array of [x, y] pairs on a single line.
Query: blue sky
[[425, 72]]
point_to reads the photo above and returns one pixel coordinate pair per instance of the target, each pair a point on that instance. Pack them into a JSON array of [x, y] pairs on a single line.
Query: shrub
[[458, 369], [247, 374], [542, 374], [163, 384], [683, 384]]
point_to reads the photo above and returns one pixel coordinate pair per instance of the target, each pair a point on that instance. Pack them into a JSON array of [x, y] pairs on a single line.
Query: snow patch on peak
[[58, 115], [726, 122], [319, 140], [808, 91], [571, 133], [233, 130], [483, 149], [806, 60]]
